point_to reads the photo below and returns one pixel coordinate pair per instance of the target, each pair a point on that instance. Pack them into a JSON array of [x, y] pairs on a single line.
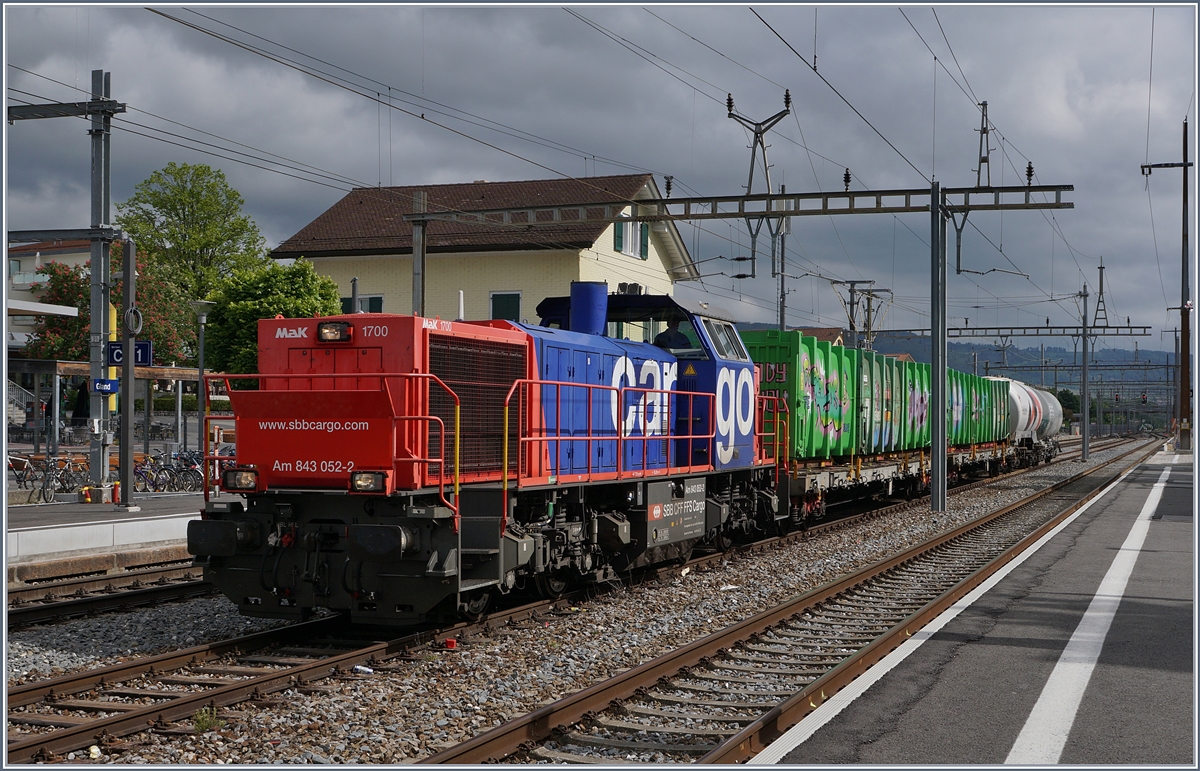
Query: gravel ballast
[[443, 697]]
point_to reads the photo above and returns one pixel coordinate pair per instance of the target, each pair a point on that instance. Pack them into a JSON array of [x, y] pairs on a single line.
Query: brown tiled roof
[[76, 245], [824, 334], [370, 220]]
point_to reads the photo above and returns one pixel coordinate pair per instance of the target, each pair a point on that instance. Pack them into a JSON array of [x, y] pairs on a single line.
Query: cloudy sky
[[1086, 94]]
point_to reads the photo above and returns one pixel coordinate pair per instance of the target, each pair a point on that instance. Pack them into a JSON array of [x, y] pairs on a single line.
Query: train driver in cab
[[671, 337]]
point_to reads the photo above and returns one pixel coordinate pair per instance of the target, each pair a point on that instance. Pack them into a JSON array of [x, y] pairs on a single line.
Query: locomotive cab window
[[725, 340], [678, 336]]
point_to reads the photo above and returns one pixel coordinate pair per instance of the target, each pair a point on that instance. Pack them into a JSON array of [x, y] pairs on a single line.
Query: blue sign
[[105, 386], [143, 353]]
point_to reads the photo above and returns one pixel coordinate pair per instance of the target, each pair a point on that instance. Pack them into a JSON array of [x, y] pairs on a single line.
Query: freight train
[[401, 469]]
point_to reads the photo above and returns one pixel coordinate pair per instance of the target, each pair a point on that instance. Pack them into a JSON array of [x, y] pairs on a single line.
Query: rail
[[212, 462]]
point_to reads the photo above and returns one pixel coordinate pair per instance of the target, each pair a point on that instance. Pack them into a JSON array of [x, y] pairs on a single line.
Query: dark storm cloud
[[1067, 89]]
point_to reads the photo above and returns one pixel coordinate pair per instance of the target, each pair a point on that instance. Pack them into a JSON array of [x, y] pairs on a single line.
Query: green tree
[[167, 320], [294, 291], [189, 220], [1068, 399], [62, 337]]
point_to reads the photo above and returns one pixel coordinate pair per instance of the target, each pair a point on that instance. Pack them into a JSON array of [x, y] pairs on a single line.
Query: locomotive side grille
[[481, 372]]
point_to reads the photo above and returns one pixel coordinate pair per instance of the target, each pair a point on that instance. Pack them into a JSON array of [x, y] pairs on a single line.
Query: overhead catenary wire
[[844, 99]]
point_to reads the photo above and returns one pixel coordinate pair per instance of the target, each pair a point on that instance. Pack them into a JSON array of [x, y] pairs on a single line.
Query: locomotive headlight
[[334, 332], [239, 479], [367, 481]]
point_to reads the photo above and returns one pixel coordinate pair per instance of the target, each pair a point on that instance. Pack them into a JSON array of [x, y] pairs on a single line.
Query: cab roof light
[[334, 332]]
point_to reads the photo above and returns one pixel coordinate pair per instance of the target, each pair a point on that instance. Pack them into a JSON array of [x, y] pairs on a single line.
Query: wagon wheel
[[722, 540], [550, 586], [472, 608]]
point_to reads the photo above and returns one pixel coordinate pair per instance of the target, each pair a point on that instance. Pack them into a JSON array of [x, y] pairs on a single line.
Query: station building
[[503, 271]]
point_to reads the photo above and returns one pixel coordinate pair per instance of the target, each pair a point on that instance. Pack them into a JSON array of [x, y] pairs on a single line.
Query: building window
[[14, 267], [506, 305], [366, 304], [632, 238]]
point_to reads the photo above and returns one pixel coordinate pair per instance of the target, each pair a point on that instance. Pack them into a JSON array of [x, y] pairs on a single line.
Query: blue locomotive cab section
[[708, 358], [591, 399]]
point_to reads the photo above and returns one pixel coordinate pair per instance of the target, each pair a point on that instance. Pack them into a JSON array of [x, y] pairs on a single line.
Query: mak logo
[[297, 332]]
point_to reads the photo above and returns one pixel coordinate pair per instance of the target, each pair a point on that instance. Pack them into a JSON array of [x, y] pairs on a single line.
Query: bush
[[206, 719]]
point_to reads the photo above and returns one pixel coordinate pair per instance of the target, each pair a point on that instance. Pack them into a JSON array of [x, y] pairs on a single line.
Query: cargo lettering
[[735, 409], [650, 413]]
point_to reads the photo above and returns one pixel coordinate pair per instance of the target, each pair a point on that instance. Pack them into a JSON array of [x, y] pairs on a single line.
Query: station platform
[[54, 536], [1081, 653]]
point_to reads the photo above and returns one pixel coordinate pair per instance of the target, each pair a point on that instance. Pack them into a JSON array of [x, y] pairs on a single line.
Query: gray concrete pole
[[937, 404], [55, 408], [38, 419], [149, 402], [180, 424], [130, 325], [99, 289], [1084, 392], [1185, 316]]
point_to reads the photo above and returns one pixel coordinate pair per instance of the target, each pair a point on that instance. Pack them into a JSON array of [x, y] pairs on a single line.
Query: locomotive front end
[[351, 453]]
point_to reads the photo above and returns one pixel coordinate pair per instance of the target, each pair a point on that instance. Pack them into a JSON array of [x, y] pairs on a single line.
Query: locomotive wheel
[[723, 541], [473, 608], [550, 586]]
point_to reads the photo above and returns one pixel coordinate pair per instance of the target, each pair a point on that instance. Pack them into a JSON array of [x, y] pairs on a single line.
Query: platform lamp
[[202, 308]]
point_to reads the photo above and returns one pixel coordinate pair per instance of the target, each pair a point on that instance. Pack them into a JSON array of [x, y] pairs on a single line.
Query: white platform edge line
[[1048, 726], [803, 731]]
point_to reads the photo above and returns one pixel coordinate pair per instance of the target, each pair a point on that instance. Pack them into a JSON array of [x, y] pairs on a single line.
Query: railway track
[[723, 698], [55, 600], [81, 596], [48, 718]]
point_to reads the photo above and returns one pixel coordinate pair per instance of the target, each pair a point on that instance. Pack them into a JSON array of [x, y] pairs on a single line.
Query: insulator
[[1029, 174], [787, 99], [729, 103], [846, 179], [668, 178], [741, 275]]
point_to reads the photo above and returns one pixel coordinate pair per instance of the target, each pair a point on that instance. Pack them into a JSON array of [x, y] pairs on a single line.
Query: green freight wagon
[[786, 362], [819, 381]]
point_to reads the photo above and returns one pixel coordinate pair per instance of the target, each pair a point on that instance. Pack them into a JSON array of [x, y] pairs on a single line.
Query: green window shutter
[[346, 305], [645, 240], [374, 305], [506, 306], [618, 235]]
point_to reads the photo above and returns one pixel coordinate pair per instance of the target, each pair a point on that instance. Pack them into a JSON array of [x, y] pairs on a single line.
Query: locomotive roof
[[636, 307]]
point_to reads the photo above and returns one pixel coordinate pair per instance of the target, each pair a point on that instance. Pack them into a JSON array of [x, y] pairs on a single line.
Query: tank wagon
[[401, 469]]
